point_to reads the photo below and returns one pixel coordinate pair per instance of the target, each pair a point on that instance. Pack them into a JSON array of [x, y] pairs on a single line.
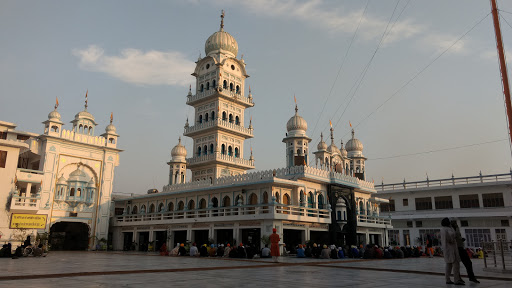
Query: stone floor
[[118, 269]]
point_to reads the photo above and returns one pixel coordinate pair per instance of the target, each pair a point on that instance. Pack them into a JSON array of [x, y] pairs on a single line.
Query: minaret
[[218, 130], [357, 160], [110, 134], [178, 164], [296, 140], [53, 125]]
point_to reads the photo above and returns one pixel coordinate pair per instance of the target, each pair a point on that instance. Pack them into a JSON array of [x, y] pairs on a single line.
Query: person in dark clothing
[[334, 252], [307, 251], [241, 251], [233, 253], [182, 251], [203, 251], [220, 250], [250, 251], [416, 252], [408, 252], [464, 257], [316, 251], [387, 254]]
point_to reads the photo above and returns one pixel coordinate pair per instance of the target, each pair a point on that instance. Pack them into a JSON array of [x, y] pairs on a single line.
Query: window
[[230, 86], [225, 84], [213, 115], [118, 211], [3, 158], [230, 151], [464, 223], [475, 237], [469, 201], [214, 84], [493, 200], [409, 224], [3, 135], [424, 203], [419, 223], [207, 85], [393, 237], [202, 88], [205, 150], [22, 137], [237, 120], [444, 202], [72, 192], [387, 207], [224, 117], [198, 151], [407, 238], [505, 223], [320, 201], [223, 149], [237, 153], [200, 118], [211, 148], [406, 202], [230, 118], [232, 67], [206, 117]]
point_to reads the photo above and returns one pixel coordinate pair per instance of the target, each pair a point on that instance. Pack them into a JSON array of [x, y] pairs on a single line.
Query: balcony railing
[[259, 211], [220, 123], [25, 203], [221, 157], [373, 220], [225, 92], [28, 175], [446, 182]]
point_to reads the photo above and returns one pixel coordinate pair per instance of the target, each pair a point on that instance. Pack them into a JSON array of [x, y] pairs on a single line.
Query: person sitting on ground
[[368, 252], [220, 250], [316, 250], [194, 252], [399, 252], [300, 252], [265, 252], [227, 250], [361, 251], [241, 251], [354, 252], [175, 250], [326, 252], [163, 250], [182, 251], [334, 252], [408, 251], [416, 252], [307, 251], [379, 254], [250, 251], [213, 250], [387, 254], [203, 251], [341, 253], [38, 251], [3, 251], [233, 253]]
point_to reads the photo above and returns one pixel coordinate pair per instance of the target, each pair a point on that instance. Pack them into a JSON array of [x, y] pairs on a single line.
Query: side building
[[328, 202], [481, 205], [59, 182]]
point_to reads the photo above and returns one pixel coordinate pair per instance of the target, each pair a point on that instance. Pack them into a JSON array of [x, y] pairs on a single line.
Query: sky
[[416, 79]]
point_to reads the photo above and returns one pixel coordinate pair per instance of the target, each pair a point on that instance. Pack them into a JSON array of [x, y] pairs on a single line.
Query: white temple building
[[59, 182], [323, 200]]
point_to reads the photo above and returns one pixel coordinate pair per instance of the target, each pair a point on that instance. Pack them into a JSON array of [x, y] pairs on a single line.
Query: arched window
[[128, 209], [310, 200], [338, 215], [225, 84], [237, 89], [286, 199], [205, 150], [202, 88], [230, 118], [191, 205], [181, 206], [72, 192], [237, 153], [278, 198], [112, 140], [78, 192], [182, 177], [200, 118], [215, 202], [223, 149], [224, 116], [230, 151], [346, 169], [142, 209], [361, 207], [265, 198], [213, 115], [198, 151], [170, 206], [161, 207], [202, 204], [90, 130], [301, 198], [357, 169], [226, 202], [55, 129], [253, 199], [237, 120], [320, 201], [207, 85], [135, 210], [81, 128], [152, 208], [214, 84], [211, 148], [206, 117], [239, 200], [298, 152], [326, 160], [86, 130], [230, 86]]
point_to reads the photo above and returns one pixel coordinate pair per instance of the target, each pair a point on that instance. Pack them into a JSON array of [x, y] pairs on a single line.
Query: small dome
[[78, 176], [179, 150], [296, 122], [54, 116], [221, 41], [343, 152], [354, 144], [333, 149], [91, 184], [84, 114], [110, 128], [321, 145], [62, 180]]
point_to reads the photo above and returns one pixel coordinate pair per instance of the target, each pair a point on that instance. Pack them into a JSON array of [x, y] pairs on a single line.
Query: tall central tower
[[218, 131]]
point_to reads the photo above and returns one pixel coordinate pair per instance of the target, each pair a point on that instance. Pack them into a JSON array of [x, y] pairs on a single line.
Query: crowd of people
[[24, 250]]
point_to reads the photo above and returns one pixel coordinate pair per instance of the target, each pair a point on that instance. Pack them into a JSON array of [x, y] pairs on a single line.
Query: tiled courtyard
[[117, 269]]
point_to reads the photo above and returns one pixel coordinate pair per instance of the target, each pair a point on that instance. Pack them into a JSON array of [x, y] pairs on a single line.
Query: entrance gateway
[[69, 236]]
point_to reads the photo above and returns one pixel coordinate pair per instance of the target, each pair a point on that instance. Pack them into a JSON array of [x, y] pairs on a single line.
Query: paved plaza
[[119, 269]]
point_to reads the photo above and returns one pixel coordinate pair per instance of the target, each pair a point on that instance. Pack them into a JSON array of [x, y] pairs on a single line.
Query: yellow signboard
[[28, 221]]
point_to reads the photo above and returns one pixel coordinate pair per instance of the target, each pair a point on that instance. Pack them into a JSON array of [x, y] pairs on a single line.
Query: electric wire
[[503, 18]]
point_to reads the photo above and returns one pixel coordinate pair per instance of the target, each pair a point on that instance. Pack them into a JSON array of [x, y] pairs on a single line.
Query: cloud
[[441, 42], [138, 67]]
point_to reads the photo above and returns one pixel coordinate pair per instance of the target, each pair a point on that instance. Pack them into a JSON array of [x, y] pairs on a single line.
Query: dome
[[296, 122], [179, 150], [62, 180], [84, 114], [91, 184], [78, 176], [110, 128], [354, 144], [333, 149], [221, 41], [321, 145], [343, 152], [54, 116]]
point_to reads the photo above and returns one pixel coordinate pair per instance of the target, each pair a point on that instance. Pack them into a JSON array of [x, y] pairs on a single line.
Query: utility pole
[[503, 65]]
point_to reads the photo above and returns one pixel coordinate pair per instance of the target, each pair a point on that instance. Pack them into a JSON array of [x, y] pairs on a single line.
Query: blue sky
[[136, 57]]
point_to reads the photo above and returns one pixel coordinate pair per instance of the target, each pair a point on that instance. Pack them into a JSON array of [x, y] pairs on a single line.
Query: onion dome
[[296, 122], [62, 180], [54, 116], [221, 42], [91, 184], [343, 152], [354, 146], [333, 149], [111, 128], [78, 176], [84, 114], [179, 152], [321, 145]]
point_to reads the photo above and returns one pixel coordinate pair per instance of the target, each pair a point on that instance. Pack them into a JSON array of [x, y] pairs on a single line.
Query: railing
[[223, 92], [373, 219], [28, 175], [276, 209], [22, 202], [446, 182], [89, 139], [220, 123], [220, 157], [499, 253]]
